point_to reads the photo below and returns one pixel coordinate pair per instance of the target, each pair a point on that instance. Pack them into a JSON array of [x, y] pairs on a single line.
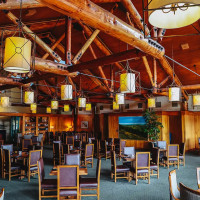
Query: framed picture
[[84, 124]]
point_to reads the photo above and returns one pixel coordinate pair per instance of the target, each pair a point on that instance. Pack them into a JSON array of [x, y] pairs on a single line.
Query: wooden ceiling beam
[[118, 57], [99, 18], [163, 82]]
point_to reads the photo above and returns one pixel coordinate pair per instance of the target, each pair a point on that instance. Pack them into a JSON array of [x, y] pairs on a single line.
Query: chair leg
[[149, 177], [29, 176], [136, 178], [98, 193], [115, 177], [9, 176], [178, 164], [158, 173]]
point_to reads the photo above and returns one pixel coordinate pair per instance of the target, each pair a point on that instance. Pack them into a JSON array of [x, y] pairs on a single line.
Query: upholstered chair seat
[[122, 168], [88, 182]]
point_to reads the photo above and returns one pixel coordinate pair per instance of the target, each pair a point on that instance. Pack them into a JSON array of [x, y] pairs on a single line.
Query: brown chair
[[173, 186], [68, 181], [117, 143], [2, 194], [26, 143], [198, 177], [172, 155], [8, 147], [45, 185], [12, 169], [119, 171], [87, 157], [70, 140], [88, 183], [142, 166], [187, 193], [182, 154], [32, 169], [56, 153], [72, 159], [65, 150], [154, 164], [96, 147], [104, 151]]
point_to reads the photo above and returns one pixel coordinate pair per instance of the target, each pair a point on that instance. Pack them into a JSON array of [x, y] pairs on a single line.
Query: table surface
[[82, 171]]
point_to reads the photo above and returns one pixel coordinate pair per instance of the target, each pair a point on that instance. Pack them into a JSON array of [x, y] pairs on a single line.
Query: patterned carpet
[[158, 189]]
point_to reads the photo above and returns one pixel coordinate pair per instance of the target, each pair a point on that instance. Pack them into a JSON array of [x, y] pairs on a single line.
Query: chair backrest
[[110, 141], [77, 143], [1, 142], [89, 150], [40, 137], [6, 159], [173, 150], [41, 173], [70, 140], [155, 152], [103, 145], [67, 180], [182, 149], [19, 137], [28, 136], [117, 141], [113, 160], [8, 147], [56, 148], [123, 144], [77, 136], [98, 171], [162, 144], [198, 177], [65, 149], [188, 193], [34, 156], [26, 143], [142, 160], [34, 139], [72, 159], [129, 151], [173, 186], [2, 194]]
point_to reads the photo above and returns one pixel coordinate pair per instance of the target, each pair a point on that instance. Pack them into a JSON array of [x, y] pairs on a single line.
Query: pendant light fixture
[[88, 107], [54, 104], [66, 90], [28, 97], [66, 108], [196, 99], [5, 101], [171, 14], [81, 102], [115, 105], [119, 98], [151, 102], [48, 110], [33, 106]]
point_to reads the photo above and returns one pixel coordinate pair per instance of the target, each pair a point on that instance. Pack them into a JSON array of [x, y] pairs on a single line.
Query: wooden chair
[[72, 159], [118, 171], [1, 142], [142, 166], [187, 193], [198, 177], [65, 150], [172, 155], [26, 143], [1, 162], [70, 140], [2, 194], [91, 183], [173, 186], [8, 147], [104, 151], [87, 157], [182, 154], [154, 164], [45, 185], [12, 169], [56, 153], [68, 187], [84, 137], [96, 147], [32, 169]]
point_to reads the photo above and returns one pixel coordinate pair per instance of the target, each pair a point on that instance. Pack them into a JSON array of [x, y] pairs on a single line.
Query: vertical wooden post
[[23, 125], [155, 74], [68, 34]]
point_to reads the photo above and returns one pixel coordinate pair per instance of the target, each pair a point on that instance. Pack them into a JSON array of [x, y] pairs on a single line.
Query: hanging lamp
[[66, 108], [33, 106], [171, 14], [5, 101], [196, 99], [81, 102], [88, 107], [48, 110], [115, 105], [66, 90], [54, 104], [151, 102], [28, 97], [119, 98]]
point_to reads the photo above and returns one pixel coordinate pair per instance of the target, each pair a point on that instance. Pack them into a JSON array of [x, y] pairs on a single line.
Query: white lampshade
[[151, 102], [115, 106], [33, 106], [29, 97], [81, 102], [66, 108], [127, 83], [173, 18], [54, 104], [196, 100], [66, 92], [174, 94], [88, 107], [119, 98], [17, 57], [48, 110], [4, 101]]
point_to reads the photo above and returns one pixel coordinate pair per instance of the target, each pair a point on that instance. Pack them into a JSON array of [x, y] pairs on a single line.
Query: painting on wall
[[132, 128], [84, 124]]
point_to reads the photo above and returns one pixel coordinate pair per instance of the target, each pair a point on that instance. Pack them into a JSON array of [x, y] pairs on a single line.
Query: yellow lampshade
[[33, 111], [33, 106], [54, 104], [115, 106], [81, 102], [48, 110], [174, 94], [88, 107], [119, 98], [4, 101], [28, 97], [17, 57], [151, 103], [174, 16], [66, 92], [66, 108], [196, 100], [127, 83]]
